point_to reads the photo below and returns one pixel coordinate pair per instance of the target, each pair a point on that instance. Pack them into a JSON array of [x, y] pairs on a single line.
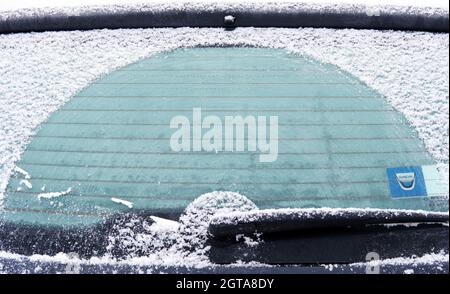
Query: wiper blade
[[283, 220]]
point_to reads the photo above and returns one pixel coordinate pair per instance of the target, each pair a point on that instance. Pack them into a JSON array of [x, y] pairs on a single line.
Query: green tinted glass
[[110, 144]]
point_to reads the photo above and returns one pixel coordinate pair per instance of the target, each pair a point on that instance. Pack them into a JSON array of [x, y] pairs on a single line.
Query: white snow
[[121, 201], [162, 224], [26, 183], [169, 260], [414, 261], [22, 172], [50, 195], [305, 213], [411, 225], [249, 241], [21, 4], [168, 243], [171, 243]]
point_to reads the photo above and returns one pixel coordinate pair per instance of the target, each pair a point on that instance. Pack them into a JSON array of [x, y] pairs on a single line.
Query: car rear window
[[110, 149]]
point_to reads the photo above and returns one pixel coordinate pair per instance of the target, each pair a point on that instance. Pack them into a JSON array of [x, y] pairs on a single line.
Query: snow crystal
[[162, 224], [324, 212], [26, 183], [50, 195], [197, 216], [121, 201], [250, 241], [22, 172], [136, 236], [430, 258]]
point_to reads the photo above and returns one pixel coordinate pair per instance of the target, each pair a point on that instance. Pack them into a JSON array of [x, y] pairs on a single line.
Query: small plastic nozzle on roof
[[229, 21]]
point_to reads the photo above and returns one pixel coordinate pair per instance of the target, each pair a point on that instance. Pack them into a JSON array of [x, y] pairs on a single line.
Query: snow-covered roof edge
[[211, 14]]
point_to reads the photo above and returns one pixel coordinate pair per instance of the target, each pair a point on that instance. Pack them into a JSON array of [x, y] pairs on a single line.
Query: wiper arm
[[284, 220]]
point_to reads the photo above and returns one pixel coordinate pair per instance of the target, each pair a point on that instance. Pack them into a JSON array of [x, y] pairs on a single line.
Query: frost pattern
[[41, 71]]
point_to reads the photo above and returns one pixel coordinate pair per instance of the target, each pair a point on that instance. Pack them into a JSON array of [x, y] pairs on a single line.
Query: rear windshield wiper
[[285, 220]]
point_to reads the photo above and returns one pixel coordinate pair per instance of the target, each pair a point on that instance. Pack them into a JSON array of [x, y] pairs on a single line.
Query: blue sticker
[[406, 181]]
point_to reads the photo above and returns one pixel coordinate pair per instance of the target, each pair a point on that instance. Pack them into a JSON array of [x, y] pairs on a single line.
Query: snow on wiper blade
[[281, 220]]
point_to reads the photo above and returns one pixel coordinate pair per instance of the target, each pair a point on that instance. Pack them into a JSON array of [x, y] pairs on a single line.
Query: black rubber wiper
[[286, 220]]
